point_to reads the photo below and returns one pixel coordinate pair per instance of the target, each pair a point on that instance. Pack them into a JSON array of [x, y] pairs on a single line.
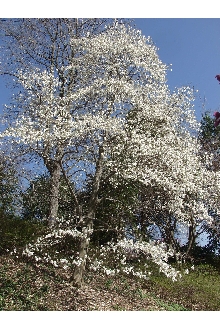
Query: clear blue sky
[[192, 46]]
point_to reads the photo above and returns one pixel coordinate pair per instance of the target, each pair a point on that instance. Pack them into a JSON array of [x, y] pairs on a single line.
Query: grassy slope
[[24, 287]]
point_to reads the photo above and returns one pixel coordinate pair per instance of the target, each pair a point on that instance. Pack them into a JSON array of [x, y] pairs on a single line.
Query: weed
[[117, 308], [108, 283]]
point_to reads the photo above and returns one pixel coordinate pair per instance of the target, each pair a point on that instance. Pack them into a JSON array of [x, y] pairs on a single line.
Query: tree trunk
[[54, 197], [54, 167], [87, 223], [191, 239], [55, 173], [78, 275]]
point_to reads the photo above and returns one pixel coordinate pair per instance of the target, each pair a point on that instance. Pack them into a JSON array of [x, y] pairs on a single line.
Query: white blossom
[[120, 102]]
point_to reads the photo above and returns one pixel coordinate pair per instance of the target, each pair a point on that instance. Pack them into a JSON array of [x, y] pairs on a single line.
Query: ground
[[24, 286]]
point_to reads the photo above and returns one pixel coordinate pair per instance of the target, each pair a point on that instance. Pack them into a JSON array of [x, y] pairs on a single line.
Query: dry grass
[[27, 287], [24, 287]]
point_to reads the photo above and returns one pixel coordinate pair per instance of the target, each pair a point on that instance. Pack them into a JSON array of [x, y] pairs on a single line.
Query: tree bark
[[87, 223], [54, 193], [54, 167], [78, 275], [191, 239]]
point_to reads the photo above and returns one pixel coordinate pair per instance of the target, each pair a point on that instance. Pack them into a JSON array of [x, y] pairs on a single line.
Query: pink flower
[[216, 114], [218, 77], [217, 118]]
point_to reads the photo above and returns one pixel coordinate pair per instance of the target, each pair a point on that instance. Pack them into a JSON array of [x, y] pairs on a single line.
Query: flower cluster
[[58, 247], [128, 257]]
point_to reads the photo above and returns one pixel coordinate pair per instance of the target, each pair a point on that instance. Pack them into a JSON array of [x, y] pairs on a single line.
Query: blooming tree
[[101, 113], [42, 49]]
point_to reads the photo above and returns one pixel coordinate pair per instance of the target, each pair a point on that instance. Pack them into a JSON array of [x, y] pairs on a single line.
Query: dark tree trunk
[[87, 223], [78, 275], [54, 167], [54, 193], [191, 239]]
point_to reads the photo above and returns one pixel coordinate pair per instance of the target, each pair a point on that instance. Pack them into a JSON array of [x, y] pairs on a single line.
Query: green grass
[[160, 302], [199, 290], [169, 306]]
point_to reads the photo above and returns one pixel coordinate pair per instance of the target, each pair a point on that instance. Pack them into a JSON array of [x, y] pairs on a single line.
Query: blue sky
[[192, 46]]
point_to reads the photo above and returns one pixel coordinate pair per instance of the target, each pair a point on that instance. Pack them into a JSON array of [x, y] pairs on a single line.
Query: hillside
[[26, 287]]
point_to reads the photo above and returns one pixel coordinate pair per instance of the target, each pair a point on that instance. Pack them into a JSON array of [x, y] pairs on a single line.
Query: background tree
[[36, 200], [209, 139], [14, 232], [8, 187]]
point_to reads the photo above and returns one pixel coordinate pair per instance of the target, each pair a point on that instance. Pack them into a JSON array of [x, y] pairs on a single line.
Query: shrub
[[15, 232]]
